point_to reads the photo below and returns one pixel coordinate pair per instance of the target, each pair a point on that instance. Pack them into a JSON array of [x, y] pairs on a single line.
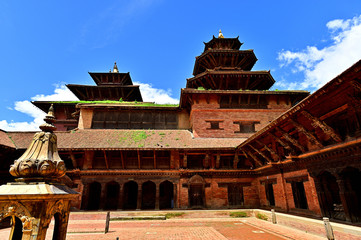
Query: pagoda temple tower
[[110, 86], [226, 98]]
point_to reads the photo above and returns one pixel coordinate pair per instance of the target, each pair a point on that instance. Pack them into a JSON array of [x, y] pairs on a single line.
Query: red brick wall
[[204, 110], [284, 195]]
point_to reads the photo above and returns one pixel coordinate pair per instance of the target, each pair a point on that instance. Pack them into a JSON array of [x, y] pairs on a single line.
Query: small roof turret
[[220, 35], [115, 68]]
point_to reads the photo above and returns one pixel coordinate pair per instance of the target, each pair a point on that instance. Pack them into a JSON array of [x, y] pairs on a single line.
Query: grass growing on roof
[[124, 103]]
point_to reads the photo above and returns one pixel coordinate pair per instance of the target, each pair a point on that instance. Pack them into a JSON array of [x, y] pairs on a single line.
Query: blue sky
[[46, 44]]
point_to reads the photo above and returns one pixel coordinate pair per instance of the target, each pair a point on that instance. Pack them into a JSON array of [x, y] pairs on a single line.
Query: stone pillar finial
[[41, 160]]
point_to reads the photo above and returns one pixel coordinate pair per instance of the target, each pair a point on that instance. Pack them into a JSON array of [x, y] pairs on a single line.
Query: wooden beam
[[286, 136], [273, 153], [331, 113], [255, 159], [310, 136], [283, 144], [106, 159], [260, 153], [321, 124], [356, 85]]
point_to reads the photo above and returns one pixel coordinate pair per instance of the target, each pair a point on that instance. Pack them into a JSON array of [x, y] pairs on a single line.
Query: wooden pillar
[[121, 196], [218, 160], [185, 160], [85, 196], [139, 199], [235, 161], [138, 159], [321, 196], [206, 161], [157, 196], [175, 196], [155, 159], [341, 186], [103, 197]]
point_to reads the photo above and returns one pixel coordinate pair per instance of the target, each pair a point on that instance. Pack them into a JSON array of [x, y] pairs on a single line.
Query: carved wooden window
[[146, 159], [131, 159], [127, 119], [214, 124], [163, 159], [244, 101], [226, 162], [99, 160], [195, 161], [114, 159], [246, 126]]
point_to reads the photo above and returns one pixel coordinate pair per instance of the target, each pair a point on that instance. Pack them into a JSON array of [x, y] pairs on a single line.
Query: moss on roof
[[125, 103]]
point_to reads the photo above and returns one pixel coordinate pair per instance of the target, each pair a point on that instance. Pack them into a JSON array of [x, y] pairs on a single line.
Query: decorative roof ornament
[[115, 68], [41, 160], [220, 35]]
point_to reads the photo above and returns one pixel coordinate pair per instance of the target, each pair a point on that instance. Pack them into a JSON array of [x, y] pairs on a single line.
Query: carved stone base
[[34, 204]]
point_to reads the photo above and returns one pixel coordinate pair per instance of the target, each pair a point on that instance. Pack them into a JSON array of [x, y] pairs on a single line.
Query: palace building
[[230, 143]]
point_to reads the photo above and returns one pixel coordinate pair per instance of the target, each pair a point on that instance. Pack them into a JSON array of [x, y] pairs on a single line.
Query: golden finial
[[115, 68], [220, 35]]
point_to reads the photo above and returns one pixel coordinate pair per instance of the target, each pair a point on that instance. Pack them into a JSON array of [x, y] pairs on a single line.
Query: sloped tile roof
[[130, 139], [5, 140]]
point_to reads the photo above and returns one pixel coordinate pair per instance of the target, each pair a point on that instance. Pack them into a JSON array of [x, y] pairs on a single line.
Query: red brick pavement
[[192, 226]]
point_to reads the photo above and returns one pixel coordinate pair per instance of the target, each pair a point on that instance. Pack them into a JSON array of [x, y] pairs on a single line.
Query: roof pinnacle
[[115, 68], [220, 35]]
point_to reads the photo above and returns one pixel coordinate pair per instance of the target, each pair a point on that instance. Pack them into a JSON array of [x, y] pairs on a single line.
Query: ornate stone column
[[37, 195]]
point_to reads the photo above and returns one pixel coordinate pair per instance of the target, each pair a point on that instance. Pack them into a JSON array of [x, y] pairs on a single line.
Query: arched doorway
[[196, 196], [94, 196], [148, 195], [352, 179], [166, 199], [112, 195], [130, 195], [330, 196]]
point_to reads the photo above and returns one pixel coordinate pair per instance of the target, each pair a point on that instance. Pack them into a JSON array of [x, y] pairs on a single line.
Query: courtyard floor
[[210, 225]]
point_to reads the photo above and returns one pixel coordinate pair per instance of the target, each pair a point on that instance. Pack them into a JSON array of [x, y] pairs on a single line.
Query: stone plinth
[[34, 204]]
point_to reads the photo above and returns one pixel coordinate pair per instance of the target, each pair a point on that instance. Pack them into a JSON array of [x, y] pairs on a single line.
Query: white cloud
[[321, 65], [61, 93], [151, 94]]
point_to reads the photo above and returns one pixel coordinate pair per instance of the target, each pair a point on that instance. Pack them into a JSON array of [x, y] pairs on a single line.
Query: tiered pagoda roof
[[222, 66], [109, 86]]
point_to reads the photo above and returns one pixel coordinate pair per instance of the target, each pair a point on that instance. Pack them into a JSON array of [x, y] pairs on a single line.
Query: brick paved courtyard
[[193, 225]]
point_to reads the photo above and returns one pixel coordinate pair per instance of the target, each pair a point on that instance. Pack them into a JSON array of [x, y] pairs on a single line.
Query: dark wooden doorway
[[235, 195], [330, 196], [112, 195], [130, 195], [270, 194], [166, 200], [94, 196], [148, 195], [196, 196]]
